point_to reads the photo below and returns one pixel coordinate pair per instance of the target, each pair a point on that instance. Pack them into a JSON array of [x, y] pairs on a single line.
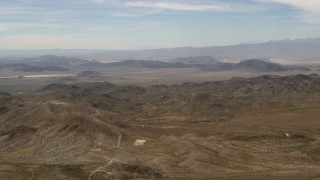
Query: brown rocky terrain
[[265, 127]]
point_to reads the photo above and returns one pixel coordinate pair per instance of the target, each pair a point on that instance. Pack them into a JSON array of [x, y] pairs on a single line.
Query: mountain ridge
[[207, 63], [298, 49]]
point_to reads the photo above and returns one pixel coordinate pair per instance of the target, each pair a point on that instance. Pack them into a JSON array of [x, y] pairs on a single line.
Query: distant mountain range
[[56, 63], [207, 63], [42, 63], [300, 49]]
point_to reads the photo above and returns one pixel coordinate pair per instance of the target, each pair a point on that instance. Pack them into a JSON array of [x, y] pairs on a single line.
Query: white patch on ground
[[58, 103], [287, 134], [139, 142]]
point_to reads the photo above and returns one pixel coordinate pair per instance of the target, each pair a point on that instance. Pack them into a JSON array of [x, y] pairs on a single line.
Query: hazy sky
[[139, 24]]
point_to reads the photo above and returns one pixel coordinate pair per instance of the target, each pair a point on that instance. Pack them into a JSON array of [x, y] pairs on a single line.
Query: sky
[[148, 24]]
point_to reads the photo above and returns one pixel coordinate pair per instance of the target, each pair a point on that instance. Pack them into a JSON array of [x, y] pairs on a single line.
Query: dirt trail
[[94, 117], [101, 169]]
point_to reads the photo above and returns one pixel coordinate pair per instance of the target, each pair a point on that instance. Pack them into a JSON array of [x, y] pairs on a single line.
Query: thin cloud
[[7, 10], [178, 6], [99, 1], [306, 5], [309, 9], [136, 13]]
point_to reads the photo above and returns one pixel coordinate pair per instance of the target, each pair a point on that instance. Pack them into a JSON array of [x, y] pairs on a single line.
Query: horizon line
[[178, 47]]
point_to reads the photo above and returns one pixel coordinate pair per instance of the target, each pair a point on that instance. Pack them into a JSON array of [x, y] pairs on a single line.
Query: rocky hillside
[[220, 98], [266, 124]]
